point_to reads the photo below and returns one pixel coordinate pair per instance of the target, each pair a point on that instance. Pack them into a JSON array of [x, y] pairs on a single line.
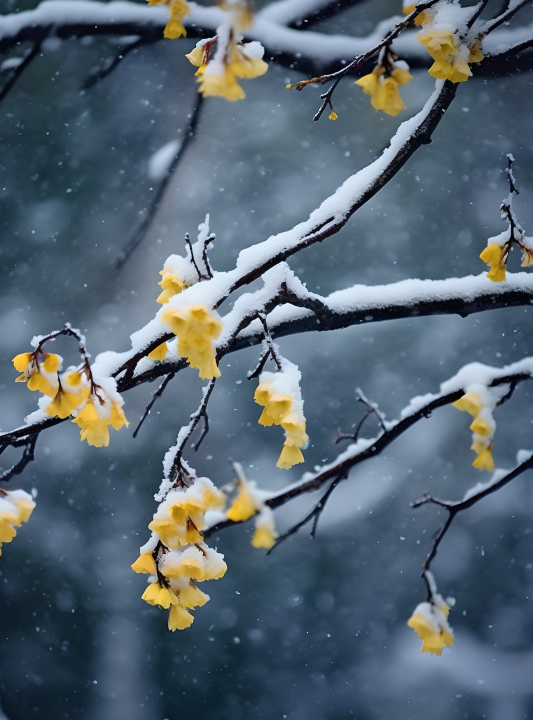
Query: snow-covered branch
[[419, 408], [304, 50]]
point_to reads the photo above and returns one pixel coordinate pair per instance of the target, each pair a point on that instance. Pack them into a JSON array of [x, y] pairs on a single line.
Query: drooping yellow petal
[[145, 563], [41, 384], [480, 427], [290, 455], [22, 361], [243, 506], [470, 403], [51, 362], [484, 460], [263, 538], [179, 618]]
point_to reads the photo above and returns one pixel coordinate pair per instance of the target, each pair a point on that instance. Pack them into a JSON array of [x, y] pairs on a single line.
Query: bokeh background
[[315, 631]]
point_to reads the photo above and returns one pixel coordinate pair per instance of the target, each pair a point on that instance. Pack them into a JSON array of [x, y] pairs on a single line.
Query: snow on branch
[[418, 408], [308, 51]]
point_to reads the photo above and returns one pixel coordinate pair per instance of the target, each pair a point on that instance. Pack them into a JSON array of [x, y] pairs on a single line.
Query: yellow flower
[[430, 624], [493, 256], [221, 86], [171, 284], [443, 47], [196, 328], [157, 595], [27, 363], [470, 403], [16, 506], [527, 257], [263, 539], [243, 506], [190, 596], [65, 402], [179, 618], [480, 427], [243, 66], [280, 410], [420, 19], [290, 455], [179, 522], [333, 115], [145, 563], [383, 91], [196, 562], [159, 353], [94, 427], [265, 535], [484, 460]]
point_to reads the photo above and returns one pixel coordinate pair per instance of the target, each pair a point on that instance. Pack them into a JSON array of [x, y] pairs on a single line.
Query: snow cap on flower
[[265, 534], [279, 394], [479, 401], [16, 506], [448, 41], [180, 517], [495, 255], [196, 327], [196, 562], [103, 408], [382, 86], [430, 622]]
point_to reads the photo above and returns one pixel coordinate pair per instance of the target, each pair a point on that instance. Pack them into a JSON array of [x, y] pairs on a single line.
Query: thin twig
[[17, 72], [27, 457], [158, 393], [139, 233], [106, 70], [455, 507], [372, 408], [313, 514]]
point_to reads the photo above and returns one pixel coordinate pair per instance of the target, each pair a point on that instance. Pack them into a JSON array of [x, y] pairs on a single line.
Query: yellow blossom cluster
[[176, 557], [382, 86], [430, 622], [218, 78], [482, 427], [178, 9], [452, 59], [16, 506], [171, 285], [97, 415], [196, 327], [95, 407], [282, 409], [248, 503]]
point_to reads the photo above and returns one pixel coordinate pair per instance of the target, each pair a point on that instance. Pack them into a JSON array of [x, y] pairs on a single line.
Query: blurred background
[[317, 630]]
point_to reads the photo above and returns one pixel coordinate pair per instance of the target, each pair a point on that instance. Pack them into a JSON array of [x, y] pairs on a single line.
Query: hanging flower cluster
[[178, 9], [279, 394], [480, 402], [218, 70], [16, 506], [497, 252], [196, 327], [452, 45], [383, 82], [74, 392], [430, 622], [102, 409], [248, 502], [176, 558]]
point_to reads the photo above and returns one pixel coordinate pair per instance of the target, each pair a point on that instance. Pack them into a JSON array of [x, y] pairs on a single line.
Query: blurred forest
[[317, 630]]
